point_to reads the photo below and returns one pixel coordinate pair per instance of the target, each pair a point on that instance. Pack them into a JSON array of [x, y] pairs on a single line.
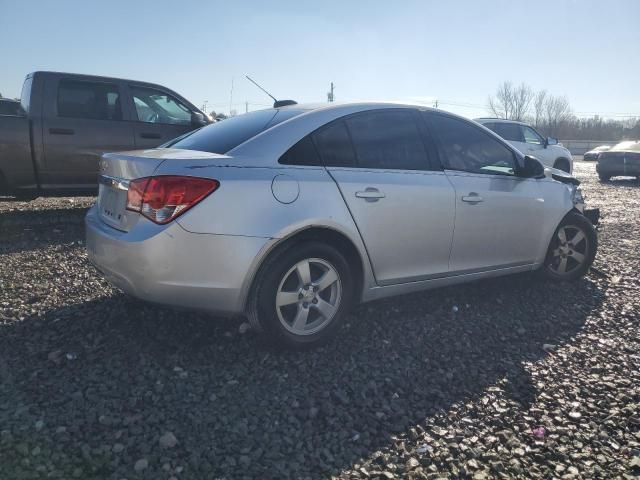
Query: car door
[[159, 116], [499, 216], [534, 145], [403, 208], [82, 119]]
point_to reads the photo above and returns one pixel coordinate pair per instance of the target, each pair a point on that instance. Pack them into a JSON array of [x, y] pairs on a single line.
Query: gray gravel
[[524, 380]]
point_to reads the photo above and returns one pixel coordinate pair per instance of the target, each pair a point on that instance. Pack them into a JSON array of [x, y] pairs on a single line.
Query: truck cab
[[67, 121]]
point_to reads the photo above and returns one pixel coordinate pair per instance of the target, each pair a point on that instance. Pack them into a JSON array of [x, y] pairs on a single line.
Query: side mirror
[[198, 119], [532, 168], [551, 141]]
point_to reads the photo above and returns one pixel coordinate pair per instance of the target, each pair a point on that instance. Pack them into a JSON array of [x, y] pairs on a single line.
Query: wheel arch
[[324, 234], [561, 160]]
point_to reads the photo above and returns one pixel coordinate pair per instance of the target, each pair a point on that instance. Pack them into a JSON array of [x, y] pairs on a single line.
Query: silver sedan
[[291, 215]]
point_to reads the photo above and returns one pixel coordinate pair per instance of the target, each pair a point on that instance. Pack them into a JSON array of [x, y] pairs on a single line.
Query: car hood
[[560, 176]]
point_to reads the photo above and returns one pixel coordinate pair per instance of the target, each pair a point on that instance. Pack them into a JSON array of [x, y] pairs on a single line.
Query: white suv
[[526, 139]]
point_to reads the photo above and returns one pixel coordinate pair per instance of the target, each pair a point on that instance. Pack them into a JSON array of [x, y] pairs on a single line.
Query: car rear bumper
[[619, 167], [168, 265]]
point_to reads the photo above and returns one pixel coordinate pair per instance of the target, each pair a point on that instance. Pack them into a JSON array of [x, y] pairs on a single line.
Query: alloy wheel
[[570, 250], [308, 297]]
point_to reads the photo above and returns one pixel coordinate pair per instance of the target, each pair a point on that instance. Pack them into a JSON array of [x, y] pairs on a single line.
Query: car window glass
[[387, 139], [531, 136], [302, 153], [508, 131], [154, 106], [468, 148], [223, 136], [92, 100], [334, 145]]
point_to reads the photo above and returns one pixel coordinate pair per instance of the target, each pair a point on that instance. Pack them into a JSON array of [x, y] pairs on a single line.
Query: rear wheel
[[572, 248], [303, 294]]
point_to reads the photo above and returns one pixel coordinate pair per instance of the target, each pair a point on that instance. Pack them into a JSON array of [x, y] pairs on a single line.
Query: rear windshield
[[227, 134]]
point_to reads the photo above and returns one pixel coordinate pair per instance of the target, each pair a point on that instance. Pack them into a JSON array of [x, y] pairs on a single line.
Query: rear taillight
[[161, 199]]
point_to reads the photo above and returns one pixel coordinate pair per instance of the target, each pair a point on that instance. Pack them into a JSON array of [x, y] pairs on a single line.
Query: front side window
[[387, 140], [531, 136], [467, 148], [91, 100], [509, 131], [334, 145], [154, 106]]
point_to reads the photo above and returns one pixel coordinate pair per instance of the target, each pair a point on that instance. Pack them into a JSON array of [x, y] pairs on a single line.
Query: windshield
[[225, 135]]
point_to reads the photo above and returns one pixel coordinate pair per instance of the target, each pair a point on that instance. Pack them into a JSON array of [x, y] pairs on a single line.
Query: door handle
[[61, 131], [151, 135], [472, 198], [370, 194]]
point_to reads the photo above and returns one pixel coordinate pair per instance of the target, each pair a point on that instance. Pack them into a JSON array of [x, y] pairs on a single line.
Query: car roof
[[499, 120]]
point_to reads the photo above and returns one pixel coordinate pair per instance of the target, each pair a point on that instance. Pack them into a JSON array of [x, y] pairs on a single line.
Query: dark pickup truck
[[65, 122]]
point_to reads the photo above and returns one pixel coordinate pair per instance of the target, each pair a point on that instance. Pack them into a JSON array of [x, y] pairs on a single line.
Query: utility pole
[[204, 106], [246, 107], [330, 94], [435, 105], [231, 97]]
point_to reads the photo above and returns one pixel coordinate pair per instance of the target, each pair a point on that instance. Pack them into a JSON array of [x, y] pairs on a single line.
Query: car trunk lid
[[117, 169]]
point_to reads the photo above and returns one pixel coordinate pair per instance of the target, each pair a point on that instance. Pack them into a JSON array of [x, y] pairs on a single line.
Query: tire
[[568, 259], [603, 177], [563, 165], [296, 312]]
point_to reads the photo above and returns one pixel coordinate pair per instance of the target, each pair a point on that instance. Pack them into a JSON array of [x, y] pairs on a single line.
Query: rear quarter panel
[[245, 205]]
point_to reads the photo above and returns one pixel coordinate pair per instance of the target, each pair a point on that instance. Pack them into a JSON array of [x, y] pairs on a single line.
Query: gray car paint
[[243, 214]]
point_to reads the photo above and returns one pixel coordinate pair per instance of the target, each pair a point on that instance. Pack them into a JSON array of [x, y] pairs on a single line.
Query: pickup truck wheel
[[572, 248], [303, 294], [603, 177]]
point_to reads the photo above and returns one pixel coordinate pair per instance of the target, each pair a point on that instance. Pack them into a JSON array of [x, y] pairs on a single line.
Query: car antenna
[[276, 103]]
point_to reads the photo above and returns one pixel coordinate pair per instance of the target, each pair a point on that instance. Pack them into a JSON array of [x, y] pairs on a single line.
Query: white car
[[526, 139]]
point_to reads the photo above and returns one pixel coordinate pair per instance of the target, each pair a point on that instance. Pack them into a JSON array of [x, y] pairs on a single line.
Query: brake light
[[162, 199]]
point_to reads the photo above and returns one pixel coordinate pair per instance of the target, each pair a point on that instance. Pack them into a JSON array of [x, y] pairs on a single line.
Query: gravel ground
[[522, 379]]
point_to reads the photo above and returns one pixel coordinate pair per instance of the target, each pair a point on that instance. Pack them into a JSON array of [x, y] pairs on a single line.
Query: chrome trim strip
[[114, 182]]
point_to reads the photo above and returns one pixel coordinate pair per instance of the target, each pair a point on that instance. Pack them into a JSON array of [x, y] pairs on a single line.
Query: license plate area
[[112, 202]]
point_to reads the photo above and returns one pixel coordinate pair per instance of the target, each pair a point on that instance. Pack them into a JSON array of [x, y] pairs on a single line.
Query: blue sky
[[454, 51]]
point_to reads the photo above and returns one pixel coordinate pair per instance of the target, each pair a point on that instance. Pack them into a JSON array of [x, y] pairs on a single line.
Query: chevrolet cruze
[[291, 215]]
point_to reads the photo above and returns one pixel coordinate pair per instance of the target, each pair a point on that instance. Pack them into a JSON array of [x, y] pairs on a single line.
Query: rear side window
[[302, 153], [221, 137], [25, 95], [334, 145], [388, 139], [508, 131], [91, 100], [467, 148]]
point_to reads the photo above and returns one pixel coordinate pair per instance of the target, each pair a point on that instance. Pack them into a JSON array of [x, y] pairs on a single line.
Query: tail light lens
[[162, 199]]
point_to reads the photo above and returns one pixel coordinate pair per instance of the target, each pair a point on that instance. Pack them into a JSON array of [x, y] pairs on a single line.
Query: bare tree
[[500, 106], [511, 102], [539, 102], [557, 110]]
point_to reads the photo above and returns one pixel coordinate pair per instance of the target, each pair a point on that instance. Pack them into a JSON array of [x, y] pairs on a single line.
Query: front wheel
[[572, 248], [603, 177], [302, 295]]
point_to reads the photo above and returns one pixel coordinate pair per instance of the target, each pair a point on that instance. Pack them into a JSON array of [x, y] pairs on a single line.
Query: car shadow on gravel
[[115, 370]]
